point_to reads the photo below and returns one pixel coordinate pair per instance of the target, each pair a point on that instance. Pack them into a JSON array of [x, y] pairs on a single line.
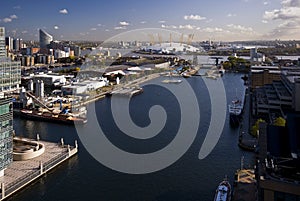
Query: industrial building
[[262, 75]]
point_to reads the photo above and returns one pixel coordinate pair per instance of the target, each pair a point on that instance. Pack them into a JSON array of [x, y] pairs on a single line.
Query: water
[[83, 178]]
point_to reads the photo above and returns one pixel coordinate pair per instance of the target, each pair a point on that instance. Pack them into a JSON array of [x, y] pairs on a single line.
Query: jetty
[[23, 170]]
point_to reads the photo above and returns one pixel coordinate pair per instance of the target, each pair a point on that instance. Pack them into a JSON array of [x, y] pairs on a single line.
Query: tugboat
[[223, 192]]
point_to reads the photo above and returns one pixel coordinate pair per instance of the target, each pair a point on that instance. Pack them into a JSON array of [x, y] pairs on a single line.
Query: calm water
[[83, 178]]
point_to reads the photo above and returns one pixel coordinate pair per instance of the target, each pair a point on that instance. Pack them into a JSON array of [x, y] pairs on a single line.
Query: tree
[[280, 122], [255, 127]]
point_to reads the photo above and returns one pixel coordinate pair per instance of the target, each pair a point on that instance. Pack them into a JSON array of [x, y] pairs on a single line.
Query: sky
[[97, 20]]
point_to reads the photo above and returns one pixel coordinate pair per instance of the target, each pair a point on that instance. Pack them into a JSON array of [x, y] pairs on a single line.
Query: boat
[[223, 192], [172, 81], [235, 111], [52, 117], [186, 75]]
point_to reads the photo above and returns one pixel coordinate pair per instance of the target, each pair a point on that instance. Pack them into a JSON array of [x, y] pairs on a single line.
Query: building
[[45, 39], [2, 42], [262, 75], [9, 43], [10, 78], [10, 74], [10, 71], [6, 133], [278, 166], [280, 96]]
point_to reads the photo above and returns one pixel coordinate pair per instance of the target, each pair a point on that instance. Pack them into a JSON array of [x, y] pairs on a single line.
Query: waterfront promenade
[[21, 173], [246, 140]]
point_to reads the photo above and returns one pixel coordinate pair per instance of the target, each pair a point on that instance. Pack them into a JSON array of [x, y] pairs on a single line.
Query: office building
[[45, 39], [10, 78], [2, 43]]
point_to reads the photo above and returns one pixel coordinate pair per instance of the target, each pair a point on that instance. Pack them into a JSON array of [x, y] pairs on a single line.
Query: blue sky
[[225, 20]]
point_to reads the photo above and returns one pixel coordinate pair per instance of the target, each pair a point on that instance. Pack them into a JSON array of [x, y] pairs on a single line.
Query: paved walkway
[[20, 173], [246, 140]]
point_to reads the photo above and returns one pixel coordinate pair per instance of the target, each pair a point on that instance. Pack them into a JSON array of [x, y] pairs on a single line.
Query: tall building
[[10, 78], [45, 39], [6, 133], [10, 74], [2, 43], [9, 43]]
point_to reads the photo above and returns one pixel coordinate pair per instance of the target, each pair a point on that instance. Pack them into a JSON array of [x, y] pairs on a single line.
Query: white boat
[[172, 81], [223, 192]]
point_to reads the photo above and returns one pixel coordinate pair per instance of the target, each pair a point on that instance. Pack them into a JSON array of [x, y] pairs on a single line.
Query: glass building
[[45, 39], [6, 133], [10, 74], [2, 42], [10, 78]]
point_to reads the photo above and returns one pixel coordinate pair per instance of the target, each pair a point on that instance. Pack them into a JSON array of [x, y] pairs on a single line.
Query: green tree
[[279, 121], [255, 127]]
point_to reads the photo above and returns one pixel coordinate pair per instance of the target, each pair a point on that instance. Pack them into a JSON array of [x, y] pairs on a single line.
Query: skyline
[[229, 20]]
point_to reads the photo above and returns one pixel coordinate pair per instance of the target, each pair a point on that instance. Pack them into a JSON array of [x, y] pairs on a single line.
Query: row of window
[[4, 109]]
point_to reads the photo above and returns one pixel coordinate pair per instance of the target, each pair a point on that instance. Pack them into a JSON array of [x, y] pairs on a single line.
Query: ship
[[235, 111], [223, 192], [51, 117]]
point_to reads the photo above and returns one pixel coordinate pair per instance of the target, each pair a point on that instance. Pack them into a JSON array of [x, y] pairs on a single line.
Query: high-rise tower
[[45, 39]]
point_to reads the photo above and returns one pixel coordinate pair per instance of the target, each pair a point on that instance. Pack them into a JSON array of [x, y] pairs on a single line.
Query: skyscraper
[[10, 78], [6, 133], [45, 39], [2, 42]]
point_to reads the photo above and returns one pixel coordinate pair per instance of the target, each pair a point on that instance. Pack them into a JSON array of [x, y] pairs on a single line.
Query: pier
[[246, 141], [21, 173]]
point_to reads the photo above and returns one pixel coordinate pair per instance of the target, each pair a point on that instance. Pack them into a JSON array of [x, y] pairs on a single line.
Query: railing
[[25, 179]]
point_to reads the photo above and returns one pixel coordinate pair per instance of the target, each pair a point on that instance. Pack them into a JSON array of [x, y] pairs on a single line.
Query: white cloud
[[266, 3], [123, 23], [212, 30], [264, 21], [17, 7], [7, 20], [143, 22], [56, 27], [162, 21], [194, 17], [283, 13], [93, 29], [106, 29], [240, 28], [99, 25], [120, 28], [187, 26], [231, 15], [289, 14], [24, 32], [13, 17], [63, 11]]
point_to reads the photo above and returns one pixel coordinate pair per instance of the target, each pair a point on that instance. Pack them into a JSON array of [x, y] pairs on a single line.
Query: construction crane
[[190, 38], [151, 39], [181, 39], [159, 38]]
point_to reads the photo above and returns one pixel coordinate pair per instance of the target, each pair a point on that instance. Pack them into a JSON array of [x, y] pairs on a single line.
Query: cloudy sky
[[226, 20]]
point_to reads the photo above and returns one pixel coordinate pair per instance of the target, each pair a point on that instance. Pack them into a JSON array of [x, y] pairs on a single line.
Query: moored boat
[[48, 116], [223, 192]]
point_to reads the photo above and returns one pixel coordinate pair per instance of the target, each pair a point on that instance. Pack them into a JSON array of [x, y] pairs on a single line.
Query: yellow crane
[[181, 39], [190, 38], [151, 39]]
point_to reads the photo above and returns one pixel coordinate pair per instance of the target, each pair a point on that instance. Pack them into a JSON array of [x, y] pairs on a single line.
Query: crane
[[190, 38]]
